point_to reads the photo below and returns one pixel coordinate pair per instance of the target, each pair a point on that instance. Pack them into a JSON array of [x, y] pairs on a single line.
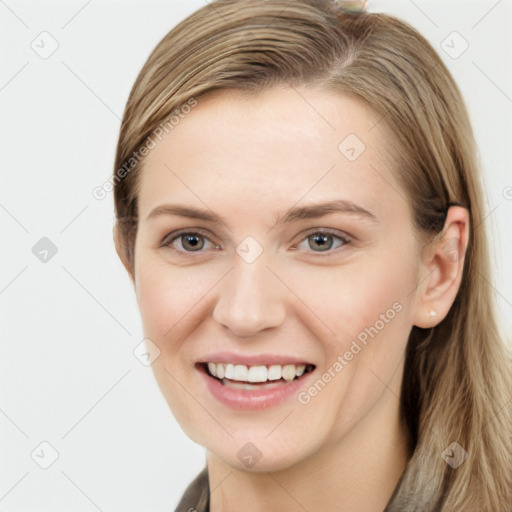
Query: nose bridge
[[250, 298]]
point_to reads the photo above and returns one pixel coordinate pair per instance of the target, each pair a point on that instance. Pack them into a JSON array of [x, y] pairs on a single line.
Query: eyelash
[[171, 237]]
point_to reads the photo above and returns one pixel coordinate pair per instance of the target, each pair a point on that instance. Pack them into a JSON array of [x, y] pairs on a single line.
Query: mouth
[[252, 377]]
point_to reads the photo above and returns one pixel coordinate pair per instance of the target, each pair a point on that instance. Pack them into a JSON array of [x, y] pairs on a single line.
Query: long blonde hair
[[456, 385]]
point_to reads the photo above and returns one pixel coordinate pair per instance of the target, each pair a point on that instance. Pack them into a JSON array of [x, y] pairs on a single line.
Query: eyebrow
[[296, 213]]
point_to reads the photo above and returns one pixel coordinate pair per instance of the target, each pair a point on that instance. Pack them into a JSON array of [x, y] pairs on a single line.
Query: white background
[[69, 326]]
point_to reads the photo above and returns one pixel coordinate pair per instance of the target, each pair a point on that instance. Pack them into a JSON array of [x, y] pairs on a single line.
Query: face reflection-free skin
[[247, 163]]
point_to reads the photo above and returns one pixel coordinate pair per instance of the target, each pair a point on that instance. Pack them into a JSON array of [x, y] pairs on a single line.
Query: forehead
[[279, 147]]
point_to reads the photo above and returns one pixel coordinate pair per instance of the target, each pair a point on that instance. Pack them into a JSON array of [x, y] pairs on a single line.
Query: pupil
[[193, 241], [324, 242]]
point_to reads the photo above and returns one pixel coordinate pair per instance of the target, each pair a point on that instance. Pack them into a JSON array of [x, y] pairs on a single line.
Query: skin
[[249, 160]]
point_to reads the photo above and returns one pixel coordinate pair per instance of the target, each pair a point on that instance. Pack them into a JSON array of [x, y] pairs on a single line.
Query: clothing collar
[[197, 495]]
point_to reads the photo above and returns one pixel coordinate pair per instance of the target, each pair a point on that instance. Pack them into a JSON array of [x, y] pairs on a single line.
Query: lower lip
[[253, 399]]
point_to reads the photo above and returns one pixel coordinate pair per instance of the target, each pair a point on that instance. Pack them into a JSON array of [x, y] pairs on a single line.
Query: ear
[[441, 269], [118, 242]]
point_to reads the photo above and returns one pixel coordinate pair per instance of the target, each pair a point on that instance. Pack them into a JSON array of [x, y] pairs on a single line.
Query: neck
[[357, 472]]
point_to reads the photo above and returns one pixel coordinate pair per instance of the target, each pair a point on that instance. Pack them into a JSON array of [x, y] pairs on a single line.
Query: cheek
[[349, 298], [368, 307], [172, 300], [171, 306], [156, 297], [163, 295]]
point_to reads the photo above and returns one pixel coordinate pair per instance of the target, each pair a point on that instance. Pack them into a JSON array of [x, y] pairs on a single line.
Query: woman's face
[[272, 231]]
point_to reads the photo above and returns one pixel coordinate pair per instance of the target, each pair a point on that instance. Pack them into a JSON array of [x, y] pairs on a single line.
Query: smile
[[254, 387]]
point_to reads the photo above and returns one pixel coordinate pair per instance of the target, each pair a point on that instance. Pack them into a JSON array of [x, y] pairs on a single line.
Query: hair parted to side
[[457, 384]]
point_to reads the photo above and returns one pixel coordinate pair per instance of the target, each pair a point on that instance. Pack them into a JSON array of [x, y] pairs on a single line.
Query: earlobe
[[442, 269]]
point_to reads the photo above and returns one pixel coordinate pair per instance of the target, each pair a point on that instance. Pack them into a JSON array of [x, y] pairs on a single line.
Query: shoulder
[[197, 495]]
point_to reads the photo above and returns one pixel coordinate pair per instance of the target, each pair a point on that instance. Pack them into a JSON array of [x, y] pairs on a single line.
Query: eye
[[324, 241], [320, 241], [188, 241]]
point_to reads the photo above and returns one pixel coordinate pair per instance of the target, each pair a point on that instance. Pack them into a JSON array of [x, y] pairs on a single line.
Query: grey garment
[[197, 495]]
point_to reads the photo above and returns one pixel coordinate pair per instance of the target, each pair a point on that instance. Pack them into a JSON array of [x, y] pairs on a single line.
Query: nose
[[250, 299]]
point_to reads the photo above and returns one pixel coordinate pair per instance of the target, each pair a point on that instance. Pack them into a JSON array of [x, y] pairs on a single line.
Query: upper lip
[[251, 360]]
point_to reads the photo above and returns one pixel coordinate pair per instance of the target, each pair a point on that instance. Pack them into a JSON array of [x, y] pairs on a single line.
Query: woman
[[298, 205]]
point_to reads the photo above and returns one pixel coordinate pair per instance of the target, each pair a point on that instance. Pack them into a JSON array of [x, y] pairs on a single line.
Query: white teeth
[[288, 372], [213, 369], [241, 372], [257, 373], [274, 372], [229, 371]]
